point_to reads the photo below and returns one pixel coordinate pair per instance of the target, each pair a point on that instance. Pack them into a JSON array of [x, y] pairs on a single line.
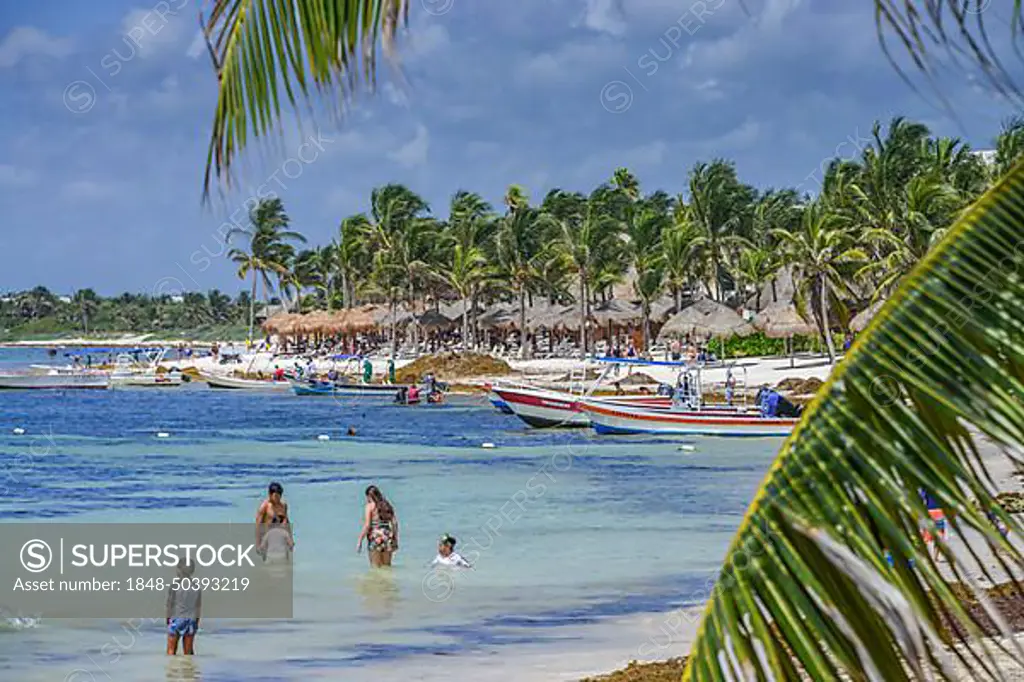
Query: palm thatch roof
[[554, 317], [432, 319], [617, 312], [499, 316], [282, 324], [384, 318], [705, 317], [781, 320]]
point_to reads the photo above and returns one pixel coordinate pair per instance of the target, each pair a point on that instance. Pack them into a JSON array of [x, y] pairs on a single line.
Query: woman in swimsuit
[[380, 528], [273, 510]]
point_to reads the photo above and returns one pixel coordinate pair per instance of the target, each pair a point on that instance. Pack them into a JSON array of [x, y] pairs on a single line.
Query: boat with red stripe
[[610, 418]]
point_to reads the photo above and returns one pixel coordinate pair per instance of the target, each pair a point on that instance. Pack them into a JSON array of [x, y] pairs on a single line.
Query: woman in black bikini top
[[273, 510]]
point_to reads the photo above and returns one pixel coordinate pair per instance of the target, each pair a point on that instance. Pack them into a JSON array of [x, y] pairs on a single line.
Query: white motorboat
[[54, 379], [548, 408], [233, 382], [132, 371]]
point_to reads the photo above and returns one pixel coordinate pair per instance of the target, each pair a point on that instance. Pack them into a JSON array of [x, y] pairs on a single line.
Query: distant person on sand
[[391, 370], [273, 510], [380, 528]]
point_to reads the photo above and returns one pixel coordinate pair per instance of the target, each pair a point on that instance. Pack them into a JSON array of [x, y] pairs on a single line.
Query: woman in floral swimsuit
[[380, 528]]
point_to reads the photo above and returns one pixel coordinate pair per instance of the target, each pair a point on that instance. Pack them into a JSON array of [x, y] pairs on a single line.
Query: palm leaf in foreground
[[259, 46], [805, 582]]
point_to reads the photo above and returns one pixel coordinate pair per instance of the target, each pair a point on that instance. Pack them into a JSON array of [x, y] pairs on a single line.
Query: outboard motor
[[666, 390]]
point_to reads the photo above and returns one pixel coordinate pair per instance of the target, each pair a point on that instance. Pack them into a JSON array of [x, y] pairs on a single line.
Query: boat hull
[[144, 381], [327, 389], [499, 404], [544, 409], [610, 418], [541, 408], [236, 383], [54, 381]]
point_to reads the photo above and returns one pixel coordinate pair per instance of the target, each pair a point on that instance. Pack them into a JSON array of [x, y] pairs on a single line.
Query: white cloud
[[414, 152], [197, 48], [641, 159], [86, 190], [150, 33], [740, 137], [28, 41], [167, 95], [343, 199], [429, 39], [604, 16], [12, 176], [571, 60], [395, 95]]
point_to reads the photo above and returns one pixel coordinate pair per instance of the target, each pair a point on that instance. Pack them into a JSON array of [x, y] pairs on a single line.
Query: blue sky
[[107, 105]]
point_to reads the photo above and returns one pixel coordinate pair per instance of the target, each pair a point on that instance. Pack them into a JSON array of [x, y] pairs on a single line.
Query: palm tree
[[820, 252], [465, 271], [588, 240], [647, 221], [86, 301], [718, 209], [805, 588], [519, 248], [400, 236], [1009, 145], [315, 269], [470, 230], [350, 254], [268, 251]]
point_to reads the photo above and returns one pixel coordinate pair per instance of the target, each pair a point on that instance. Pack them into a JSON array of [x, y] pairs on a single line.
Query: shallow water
[[568, 531]]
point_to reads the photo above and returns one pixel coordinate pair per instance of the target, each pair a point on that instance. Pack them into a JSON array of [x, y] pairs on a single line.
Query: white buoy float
[[688, 448], [163, 434], [487, 446], [323, 436], [18, 431]]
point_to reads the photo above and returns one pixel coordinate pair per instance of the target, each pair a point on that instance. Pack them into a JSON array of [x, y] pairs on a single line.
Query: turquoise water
[[569, 531]]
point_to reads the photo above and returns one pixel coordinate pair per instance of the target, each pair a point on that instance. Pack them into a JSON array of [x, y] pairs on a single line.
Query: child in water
[[446, 554], [183, 610], [276, 545]]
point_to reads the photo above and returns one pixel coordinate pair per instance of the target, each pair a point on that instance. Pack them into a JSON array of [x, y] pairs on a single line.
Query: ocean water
[[571, 532]]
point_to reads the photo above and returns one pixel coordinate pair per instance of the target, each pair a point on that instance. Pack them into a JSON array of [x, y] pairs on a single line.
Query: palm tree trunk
[[252, 305], [465, 323], [474, 329], [646, 312], [346, 303], [522, 323], [583, 313], [824, 320], [394, 327]]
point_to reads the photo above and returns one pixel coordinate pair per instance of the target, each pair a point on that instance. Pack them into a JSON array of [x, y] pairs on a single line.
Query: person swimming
[[446, 554], [277, 545], [273, 510]]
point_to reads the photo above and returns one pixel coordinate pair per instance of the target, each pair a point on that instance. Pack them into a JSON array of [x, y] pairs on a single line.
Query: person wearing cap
[[446, 554]]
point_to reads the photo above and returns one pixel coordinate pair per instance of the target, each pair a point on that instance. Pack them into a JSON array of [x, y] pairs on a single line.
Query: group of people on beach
[[275, 543]]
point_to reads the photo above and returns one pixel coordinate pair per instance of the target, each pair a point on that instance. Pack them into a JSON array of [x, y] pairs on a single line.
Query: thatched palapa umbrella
[[709, 318], [782, 321]]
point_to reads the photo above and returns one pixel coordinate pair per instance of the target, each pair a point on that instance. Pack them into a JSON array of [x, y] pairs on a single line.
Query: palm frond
[[950, 28], [806, 582], [261, 46]]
